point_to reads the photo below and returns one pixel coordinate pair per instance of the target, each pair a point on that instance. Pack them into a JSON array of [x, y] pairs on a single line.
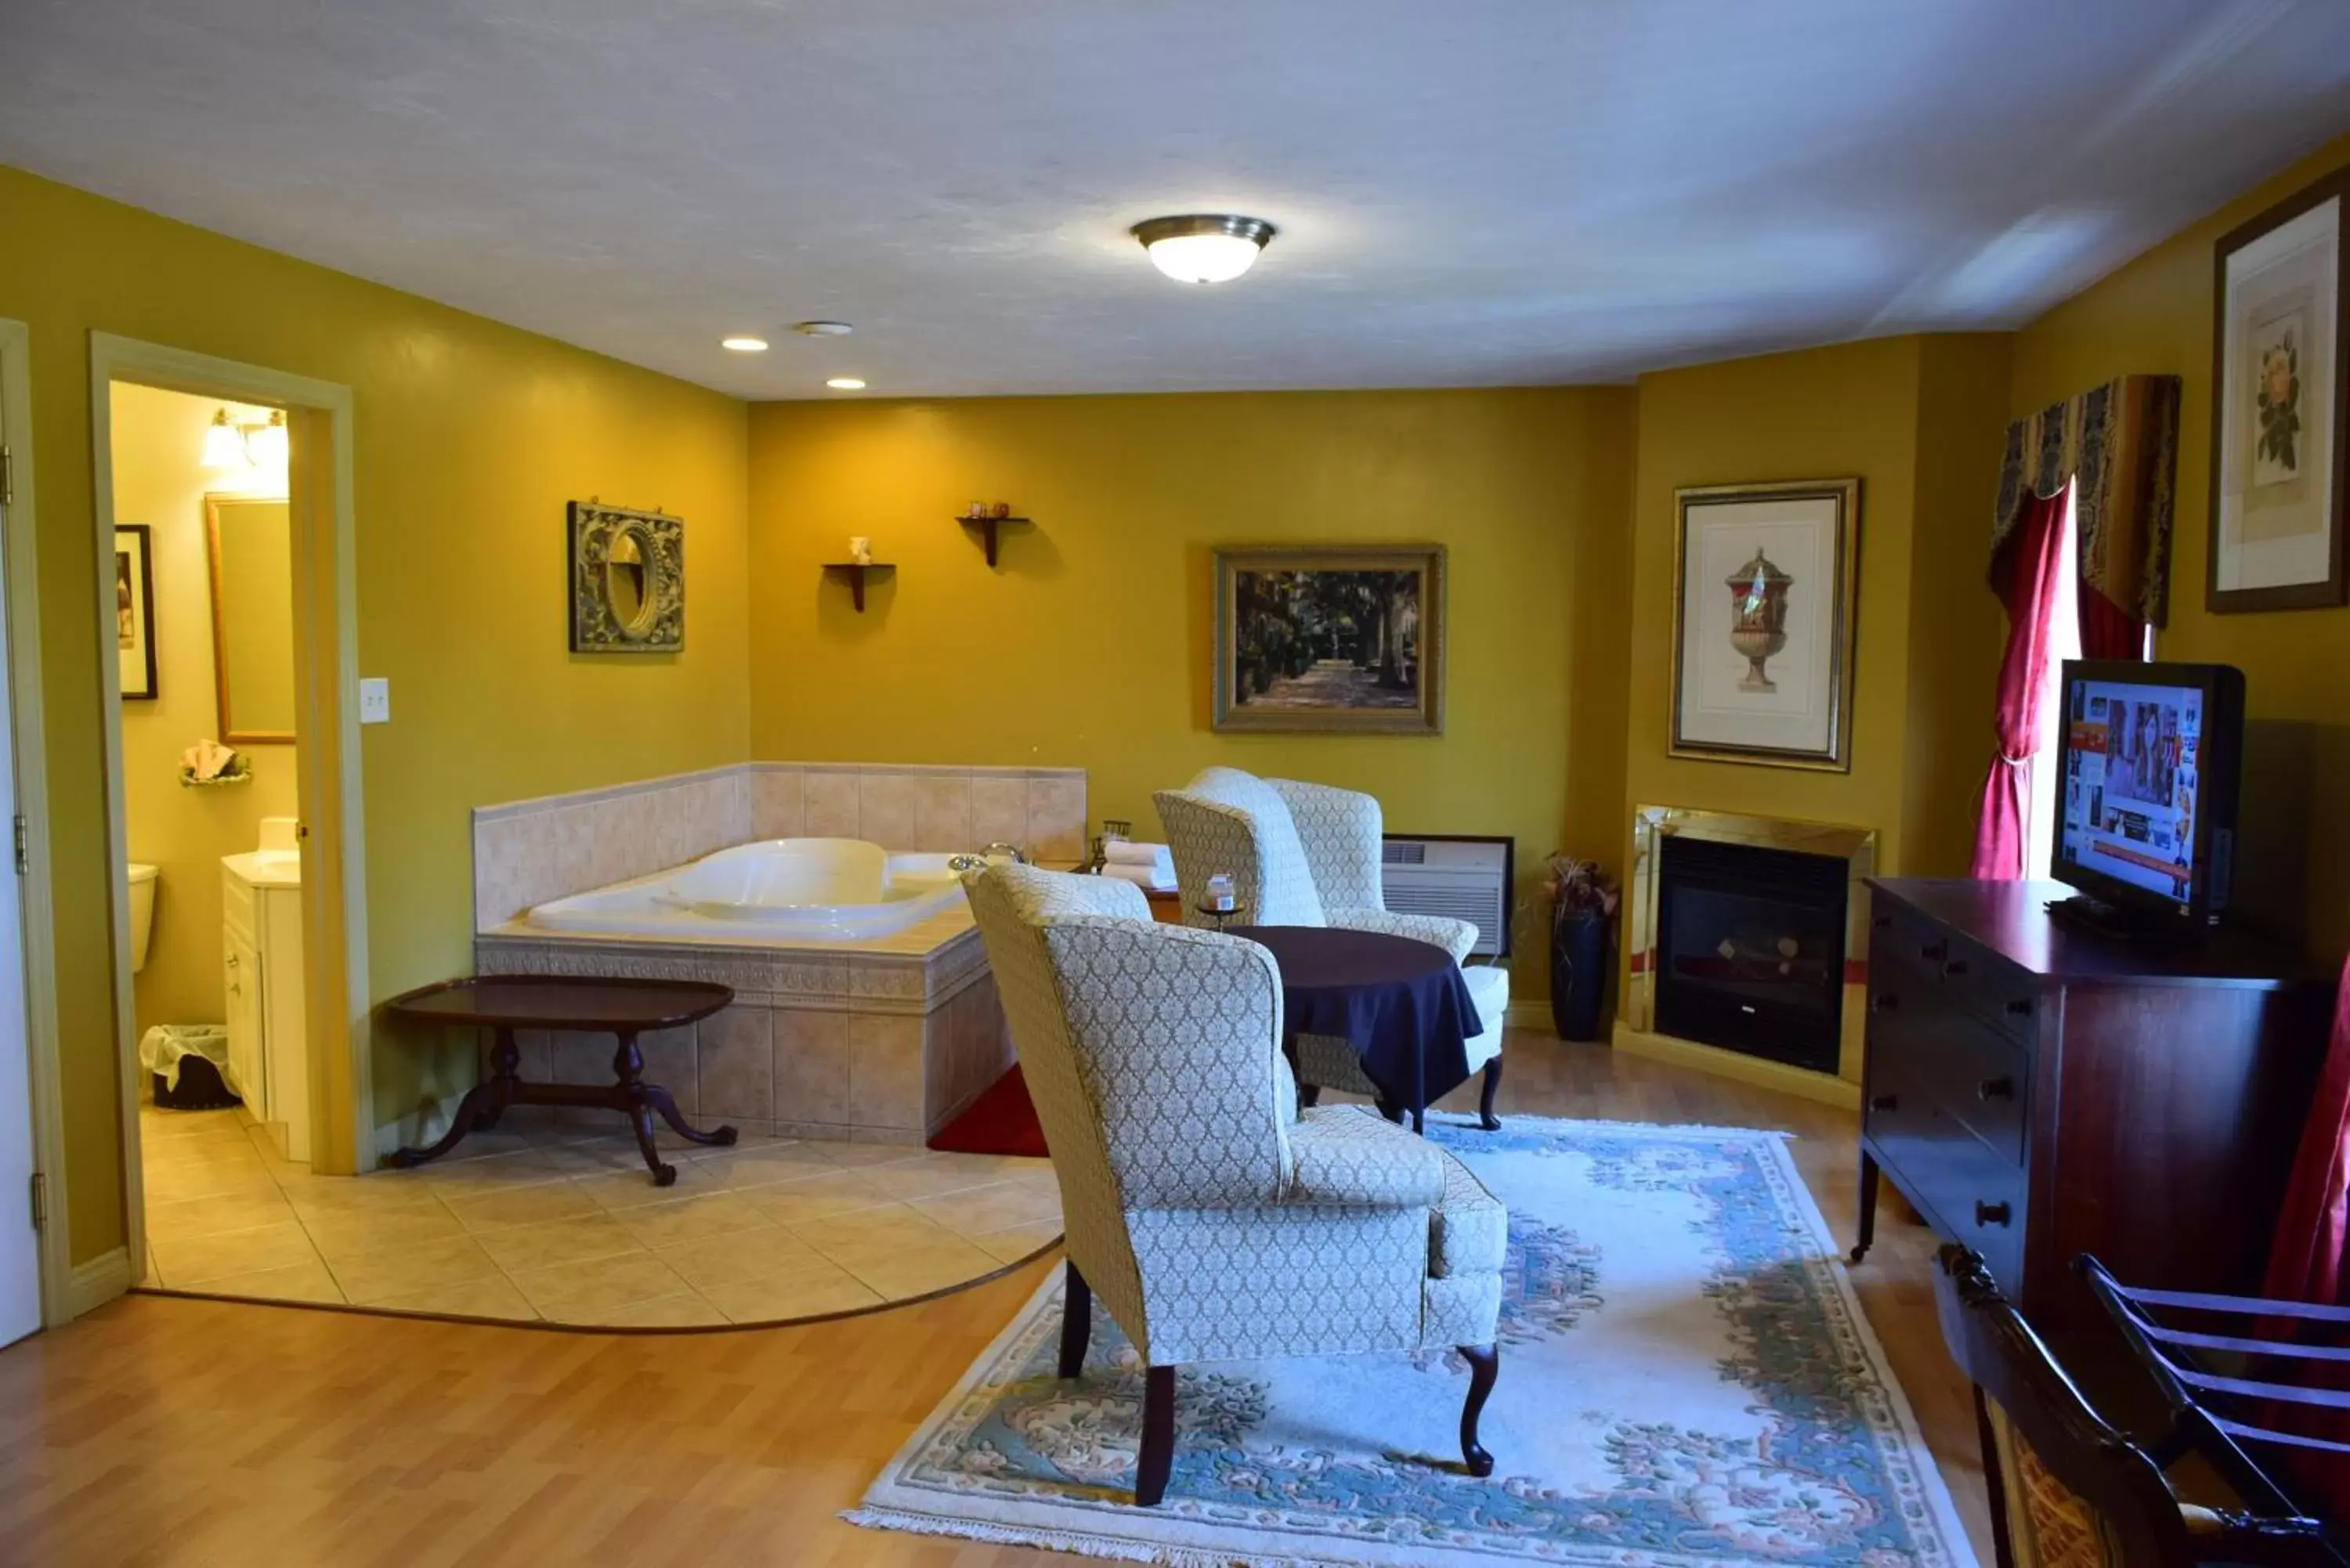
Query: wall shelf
[[856, 572], [987, 527]]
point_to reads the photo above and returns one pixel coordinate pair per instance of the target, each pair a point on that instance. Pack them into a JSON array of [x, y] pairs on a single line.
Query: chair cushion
[[1489, 988], [1288, 897], [1347, 1155], [1468, 1230]]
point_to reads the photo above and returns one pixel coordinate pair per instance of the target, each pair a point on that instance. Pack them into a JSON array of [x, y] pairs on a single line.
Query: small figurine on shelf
[[1000, 511], [860, 549], [978, 512]]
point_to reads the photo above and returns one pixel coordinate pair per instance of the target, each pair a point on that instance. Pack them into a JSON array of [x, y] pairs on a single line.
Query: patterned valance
[[2120, 441]]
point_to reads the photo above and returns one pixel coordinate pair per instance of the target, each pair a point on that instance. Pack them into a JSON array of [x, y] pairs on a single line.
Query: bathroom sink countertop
[[266, 868]]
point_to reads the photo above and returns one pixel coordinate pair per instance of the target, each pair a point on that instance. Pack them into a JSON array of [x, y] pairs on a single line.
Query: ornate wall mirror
[[251, 542], [628, 580]]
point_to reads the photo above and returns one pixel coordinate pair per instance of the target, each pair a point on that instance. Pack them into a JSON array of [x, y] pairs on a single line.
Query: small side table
[[1221, 917], [622, 1008]]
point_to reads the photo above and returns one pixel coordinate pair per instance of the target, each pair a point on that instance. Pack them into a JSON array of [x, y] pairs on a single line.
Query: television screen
[[2132, 767]]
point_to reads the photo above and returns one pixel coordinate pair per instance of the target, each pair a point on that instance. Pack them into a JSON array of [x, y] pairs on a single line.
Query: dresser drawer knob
[[1883, 922], [1885, 1001], [1885, 1103], [1935, 952], [2021, 1007], [1990, 1213], [1999, 1088], [1955, 966]]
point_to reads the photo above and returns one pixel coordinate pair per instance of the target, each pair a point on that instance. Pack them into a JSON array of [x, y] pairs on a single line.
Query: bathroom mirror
[[625, 565], [252, 544]]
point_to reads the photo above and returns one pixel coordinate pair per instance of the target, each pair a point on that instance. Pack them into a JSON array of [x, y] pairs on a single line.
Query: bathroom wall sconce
[[261, 443]]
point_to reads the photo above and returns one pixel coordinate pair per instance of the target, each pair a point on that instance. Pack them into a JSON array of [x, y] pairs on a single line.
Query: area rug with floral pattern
[[1685, 1379]]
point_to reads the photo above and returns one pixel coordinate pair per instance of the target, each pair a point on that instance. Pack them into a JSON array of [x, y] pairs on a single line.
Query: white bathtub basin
[[784, 889]]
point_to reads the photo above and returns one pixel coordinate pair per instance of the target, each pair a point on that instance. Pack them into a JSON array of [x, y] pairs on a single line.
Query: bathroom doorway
[[223, 513]]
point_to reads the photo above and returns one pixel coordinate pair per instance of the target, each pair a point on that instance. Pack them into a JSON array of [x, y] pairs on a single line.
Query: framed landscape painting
[[2281, 408], [134, 611], [1764, 599], [1345, 638]]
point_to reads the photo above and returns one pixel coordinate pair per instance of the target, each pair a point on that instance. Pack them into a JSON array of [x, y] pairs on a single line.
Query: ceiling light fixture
[[823, 328], [845, 384], [1203, 247], [744, 344]]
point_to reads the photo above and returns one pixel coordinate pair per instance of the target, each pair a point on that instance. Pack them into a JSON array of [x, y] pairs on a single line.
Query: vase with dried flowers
[[1582, 925]]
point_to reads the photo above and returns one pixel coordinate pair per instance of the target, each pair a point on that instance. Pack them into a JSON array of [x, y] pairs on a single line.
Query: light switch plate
[[375, 700]]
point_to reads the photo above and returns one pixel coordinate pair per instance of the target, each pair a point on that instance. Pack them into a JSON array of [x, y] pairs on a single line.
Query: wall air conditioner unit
[[1466, 877]]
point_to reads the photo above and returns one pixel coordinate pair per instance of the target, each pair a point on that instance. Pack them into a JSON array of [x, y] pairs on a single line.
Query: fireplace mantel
[[1635, 1029]]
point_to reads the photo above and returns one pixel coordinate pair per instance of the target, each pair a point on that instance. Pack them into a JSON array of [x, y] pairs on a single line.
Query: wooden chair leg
[[1076, 1321], [1158, 1436], [1484, 1366], [1485, 1117], [1309, 1094]]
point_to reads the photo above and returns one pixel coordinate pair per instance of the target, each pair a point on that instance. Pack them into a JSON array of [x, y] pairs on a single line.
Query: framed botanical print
[[1764, 585], [134, 611], [2281, 406], [1346, 639]]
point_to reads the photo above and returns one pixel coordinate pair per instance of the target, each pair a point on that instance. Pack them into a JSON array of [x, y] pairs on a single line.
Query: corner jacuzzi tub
[[835, 890]]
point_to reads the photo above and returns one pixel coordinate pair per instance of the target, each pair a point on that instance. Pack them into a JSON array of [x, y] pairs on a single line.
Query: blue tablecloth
[[1403, 1005]]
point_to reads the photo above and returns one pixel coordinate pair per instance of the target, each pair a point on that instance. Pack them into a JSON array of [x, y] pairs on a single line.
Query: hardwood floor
[[161, 1431]]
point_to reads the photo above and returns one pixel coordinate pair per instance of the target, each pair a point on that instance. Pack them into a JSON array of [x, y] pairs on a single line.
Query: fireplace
[[1750, 949], [1705, 982]]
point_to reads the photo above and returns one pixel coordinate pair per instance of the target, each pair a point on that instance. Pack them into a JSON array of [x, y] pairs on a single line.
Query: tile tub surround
[[527, 852]]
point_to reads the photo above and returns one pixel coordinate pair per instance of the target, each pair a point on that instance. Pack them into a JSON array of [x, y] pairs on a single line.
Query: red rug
[[1000, 1121]]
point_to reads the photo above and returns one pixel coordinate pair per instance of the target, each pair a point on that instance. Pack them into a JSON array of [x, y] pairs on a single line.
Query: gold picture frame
[[1766, 677], [627, 580], [1333, 639]]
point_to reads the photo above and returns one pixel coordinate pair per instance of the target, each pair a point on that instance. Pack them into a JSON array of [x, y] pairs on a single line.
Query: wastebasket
[[188, 1063]]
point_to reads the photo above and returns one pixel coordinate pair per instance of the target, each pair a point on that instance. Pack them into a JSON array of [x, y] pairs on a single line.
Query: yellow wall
[[470, 438], [1824, 414], [2153, 315], [1089, 645], [160, 482]]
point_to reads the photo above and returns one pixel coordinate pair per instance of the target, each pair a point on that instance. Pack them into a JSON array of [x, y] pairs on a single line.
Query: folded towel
[[1150, 879], [1124, 852], [206, 759]]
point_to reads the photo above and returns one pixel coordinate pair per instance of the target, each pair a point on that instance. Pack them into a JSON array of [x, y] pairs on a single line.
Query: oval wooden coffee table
[[624, 1008]]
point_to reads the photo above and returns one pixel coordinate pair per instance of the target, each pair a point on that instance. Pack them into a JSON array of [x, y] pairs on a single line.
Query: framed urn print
[[2280, 394], [1764, 580], [134, 611], [1343, 638]]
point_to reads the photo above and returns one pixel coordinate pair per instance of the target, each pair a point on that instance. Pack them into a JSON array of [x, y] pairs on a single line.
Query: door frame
[[23, 676], [323, 520]]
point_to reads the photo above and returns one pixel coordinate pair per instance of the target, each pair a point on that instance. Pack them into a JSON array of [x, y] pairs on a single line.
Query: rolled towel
[[1124, 852], [1150, 879]]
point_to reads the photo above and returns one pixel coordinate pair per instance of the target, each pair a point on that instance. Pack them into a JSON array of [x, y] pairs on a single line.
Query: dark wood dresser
[[2036, 1092]]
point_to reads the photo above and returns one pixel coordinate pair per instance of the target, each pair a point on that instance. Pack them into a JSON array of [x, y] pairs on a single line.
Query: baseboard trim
[[1824, 1087], [98, 1281], [1534, 1014]]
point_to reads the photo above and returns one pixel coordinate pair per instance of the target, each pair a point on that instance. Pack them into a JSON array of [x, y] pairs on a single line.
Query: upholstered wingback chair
[[1308, 855], [1214, 1222]]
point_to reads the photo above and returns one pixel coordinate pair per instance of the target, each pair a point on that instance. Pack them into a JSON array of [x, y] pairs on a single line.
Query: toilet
[[143, 913]]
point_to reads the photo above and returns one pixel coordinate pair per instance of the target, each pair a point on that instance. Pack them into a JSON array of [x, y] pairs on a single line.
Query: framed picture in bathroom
[[134, 611], [1338, 639]]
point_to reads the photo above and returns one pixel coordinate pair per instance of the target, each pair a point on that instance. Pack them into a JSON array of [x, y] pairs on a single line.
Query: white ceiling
[[1469, 192]]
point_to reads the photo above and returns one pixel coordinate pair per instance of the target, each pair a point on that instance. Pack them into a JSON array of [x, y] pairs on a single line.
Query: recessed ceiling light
[[1203, 247], [744, 344], [845, 384], [823, 328]]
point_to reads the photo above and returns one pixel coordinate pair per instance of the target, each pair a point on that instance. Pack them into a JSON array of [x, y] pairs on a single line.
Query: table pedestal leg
[[483, 1104], [643, 1101]]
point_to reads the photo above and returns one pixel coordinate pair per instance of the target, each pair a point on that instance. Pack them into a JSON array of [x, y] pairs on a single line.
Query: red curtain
[[2309, 1261], [2107, 630], [2025, 575]]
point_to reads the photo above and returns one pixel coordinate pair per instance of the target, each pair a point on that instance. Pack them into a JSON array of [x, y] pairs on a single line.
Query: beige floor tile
[[690, 1310], [746, 1255], [338, 1235], [551, 1246], [581, 1292], [594, 1156], [370, 1277], [659, 1225], [856, 1155], [486, 1144], [493, 1295], [296, 1283], [180, 1184], [487, 1209], [873, 1233], [1015, 1242], [196, 1259], [384, 1193], [240, 1210], [523, 1168], [820, 1287], [815, 1198], [992, 1208], [155, 1125], [933, 1174], [896, 1275], [633, 1189], [763, 1165]]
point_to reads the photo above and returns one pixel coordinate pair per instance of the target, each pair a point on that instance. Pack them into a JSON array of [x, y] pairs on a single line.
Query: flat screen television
[[2146, 801]]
